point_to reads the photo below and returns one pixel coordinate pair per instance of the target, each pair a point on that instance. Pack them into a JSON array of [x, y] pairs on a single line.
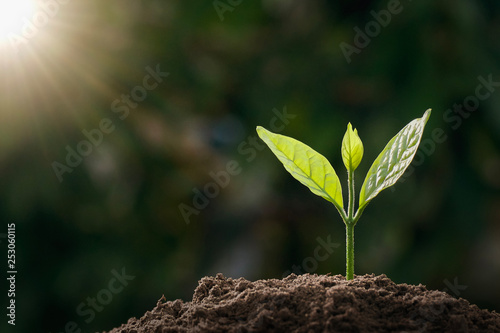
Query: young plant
[[314, 171]]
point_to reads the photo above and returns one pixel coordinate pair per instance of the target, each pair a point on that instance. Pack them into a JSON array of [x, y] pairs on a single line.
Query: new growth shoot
[[314, 171]]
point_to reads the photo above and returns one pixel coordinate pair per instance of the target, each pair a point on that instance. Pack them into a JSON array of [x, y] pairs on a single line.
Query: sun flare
[[13, 14]]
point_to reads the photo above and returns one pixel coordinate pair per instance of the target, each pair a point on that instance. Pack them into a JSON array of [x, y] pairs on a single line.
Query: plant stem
[[358, 214], [349, 225], [350, 176], [349, 251]]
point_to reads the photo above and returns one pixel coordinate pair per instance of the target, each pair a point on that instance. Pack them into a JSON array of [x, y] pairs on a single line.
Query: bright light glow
[[13, 14]]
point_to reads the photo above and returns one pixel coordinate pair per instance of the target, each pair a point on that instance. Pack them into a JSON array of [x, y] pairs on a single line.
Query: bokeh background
[[234, 65]]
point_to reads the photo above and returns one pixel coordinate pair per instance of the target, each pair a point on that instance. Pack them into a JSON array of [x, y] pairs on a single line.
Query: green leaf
[[393, 160], [306, 165], [352, 149]]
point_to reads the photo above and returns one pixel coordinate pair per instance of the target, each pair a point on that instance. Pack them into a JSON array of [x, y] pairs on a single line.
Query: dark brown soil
[[314, 303]]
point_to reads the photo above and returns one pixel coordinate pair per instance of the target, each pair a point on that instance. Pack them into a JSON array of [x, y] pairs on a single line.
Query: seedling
[[314, 171]]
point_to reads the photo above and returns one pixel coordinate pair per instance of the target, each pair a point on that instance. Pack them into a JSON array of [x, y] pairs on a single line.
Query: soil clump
[[313, 303]]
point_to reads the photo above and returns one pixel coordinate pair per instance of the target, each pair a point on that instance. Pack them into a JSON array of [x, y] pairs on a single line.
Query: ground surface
[[312, 303]]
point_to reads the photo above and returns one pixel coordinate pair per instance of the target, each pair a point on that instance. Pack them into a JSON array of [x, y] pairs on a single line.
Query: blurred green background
[[234, 65]]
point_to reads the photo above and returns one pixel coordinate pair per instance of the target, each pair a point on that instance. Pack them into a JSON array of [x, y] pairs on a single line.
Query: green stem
[[350, 176], [350, 229], [349, 251], [358, 214]]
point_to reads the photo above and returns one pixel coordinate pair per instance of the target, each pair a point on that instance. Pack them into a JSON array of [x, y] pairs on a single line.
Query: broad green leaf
[[306, 165], [393, 160], [352, 149]]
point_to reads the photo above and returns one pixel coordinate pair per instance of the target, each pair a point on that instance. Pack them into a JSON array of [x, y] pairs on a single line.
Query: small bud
[[352, 149]]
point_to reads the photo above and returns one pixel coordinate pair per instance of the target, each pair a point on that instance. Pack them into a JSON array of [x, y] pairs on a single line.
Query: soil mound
[[314, 303]]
